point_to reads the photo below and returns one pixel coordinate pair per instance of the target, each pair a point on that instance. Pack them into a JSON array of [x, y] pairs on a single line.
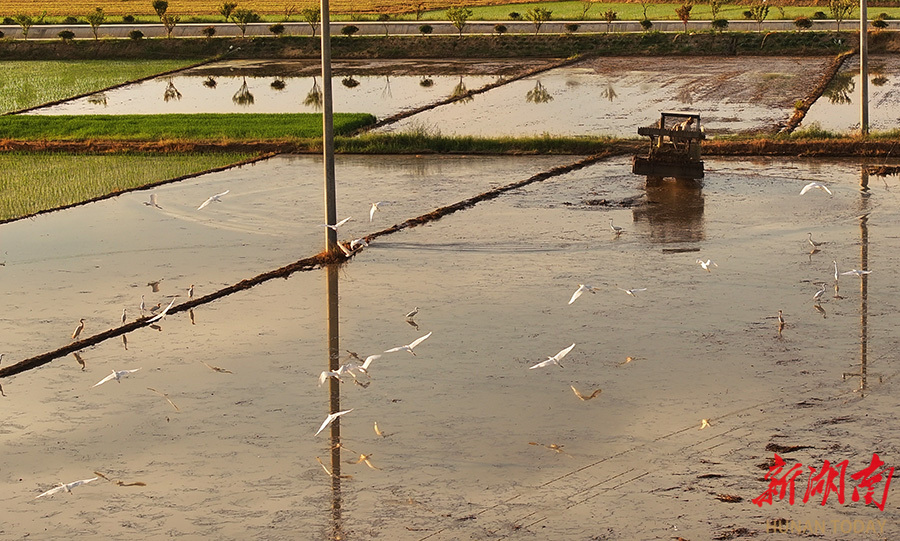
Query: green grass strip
[[30, 83], [405, 143], [204, 127], [34, 182]]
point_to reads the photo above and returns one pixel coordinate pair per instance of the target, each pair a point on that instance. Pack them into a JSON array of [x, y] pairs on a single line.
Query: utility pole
[[863, 69], [328, 130]]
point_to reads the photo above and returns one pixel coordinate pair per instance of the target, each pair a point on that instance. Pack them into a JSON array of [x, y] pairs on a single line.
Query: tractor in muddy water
[[674, 148]]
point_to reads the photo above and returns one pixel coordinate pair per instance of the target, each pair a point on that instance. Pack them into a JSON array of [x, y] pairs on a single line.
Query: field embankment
[[233, 127], [471, 46]]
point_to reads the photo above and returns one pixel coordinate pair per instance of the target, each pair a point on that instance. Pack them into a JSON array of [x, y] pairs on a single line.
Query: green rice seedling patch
[[204, 127], [31, 182], [30, 83]]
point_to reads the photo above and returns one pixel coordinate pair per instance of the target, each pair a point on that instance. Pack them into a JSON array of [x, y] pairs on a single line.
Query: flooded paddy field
[[610, 96], [838, 109], [603, 96], [382, 88], [476, 445]]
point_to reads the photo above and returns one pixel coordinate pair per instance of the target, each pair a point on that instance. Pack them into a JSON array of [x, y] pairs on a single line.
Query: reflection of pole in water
[[863, 285], [331, 272]]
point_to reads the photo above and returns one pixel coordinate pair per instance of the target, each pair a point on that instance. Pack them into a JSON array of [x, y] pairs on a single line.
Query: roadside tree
[[26, 22], [226, 9], [538, 16], [458, 16], [242, 18], [840, 10], [609, 17], [95, 19], [758, 12], [312, 16], [684, 13]]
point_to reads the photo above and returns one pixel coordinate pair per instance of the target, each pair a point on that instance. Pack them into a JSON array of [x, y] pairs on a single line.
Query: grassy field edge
[[201, 126], [447, 47]]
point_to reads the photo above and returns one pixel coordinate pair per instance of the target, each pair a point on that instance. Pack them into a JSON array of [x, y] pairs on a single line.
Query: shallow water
[[612, 96], [492, 283], [607, 96], [379, 95], [839, 108]]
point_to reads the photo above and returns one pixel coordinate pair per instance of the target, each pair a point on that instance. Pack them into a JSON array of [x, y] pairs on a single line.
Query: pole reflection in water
[[863, 373], [337, 529], [674, 210]]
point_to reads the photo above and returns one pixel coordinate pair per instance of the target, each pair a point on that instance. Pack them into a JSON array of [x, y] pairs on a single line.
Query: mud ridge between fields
[[306, 264]]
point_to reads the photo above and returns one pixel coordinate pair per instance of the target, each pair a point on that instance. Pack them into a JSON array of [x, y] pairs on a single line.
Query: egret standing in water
[[124, 314], [818, 296], [78, 329], [811, 242], [616, 229]]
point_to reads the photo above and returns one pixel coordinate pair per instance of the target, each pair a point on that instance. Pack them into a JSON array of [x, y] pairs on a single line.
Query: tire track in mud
[[308, 263]]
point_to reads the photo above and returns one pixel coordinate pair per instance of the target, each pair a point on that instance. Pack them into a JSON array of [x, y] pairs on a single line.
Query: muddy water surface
[[606, 96], [611, 96], [470, 428]]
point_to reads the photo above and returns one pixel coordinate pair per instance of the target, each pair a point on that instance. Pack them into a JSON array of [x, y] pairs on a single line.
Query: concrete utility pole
[[863, 69], [328, 130]]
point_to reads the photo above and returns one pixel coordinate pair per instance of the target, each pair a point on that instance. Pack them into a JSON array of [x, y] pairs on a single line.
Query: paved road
[[408, 28]]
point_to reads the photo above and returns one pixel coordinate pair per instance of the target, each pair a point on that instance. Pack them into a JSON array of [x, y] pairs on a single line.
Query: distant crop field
[[76, 8]]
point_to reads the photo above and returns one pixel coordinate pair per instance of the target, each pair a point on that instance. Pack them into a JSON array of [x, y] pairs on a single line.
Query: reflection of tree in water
[[461, 93], [609, 92], [538, 94], [278, 84], [349, 82], [840, 88], [243, 95], [426, 82], [876, 71], [210, 82], [171, 92], [314, 97], [98, 99]]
